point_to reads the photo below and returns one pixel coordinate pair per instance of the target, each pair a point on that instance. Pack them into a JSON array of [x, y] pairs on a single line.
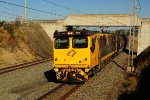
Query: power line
[[38, 10], [116, 21], [6, 17], [56, 4], [42, 11], [14, 15]]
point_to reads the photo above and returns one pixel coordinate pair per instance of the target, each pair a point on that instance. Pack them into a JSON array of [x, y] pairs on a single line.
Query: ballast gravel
[[99, 87], [28, 83]]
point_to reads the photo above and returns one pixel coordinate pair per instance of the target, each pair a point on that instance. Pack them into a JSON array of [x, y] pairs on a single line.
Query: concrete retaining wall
[[144, 36], [51, 26]]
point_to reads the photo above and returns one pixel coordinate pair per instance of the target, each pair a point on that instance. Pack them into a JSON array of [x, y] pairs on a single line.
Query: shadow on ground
[[50, 75], [127, 52], [143, 90]]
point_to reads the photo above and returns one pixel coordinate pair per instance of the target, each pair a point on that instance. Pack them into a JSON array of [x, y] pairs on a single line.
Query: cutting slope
[[24, 44], [39, 40]]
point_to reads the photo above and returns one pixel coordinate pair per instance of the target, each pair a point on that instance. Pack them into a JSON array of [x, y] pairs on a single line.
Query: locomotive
[[79, 54]]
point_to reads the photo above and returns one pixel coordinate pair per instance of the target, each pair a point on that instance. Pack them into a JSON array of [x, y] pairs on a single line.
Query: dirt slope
[[39, 40], [27, 43]]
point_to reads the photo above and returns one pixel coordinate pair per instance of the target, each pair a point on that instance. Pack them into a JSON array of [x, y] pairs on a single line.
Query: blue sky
[[10, 12]]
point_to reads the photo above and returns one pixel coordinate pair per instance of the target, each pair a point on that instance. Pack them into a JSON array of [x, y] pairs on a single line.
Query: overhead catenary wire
[[42, 11], [14, 16], [78, 11], [56, 4], [38, 10], [5, 16], [47, 12], [9, 14]]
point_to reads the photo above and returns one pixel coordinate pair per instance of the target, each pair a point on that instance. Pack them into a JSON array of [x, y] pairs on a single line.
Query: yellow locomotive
[[78, 54]]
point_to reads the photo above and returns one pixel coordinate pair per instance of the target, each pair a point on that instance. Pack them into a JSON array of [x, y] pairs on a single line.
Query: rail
[[23, 65], [70, 92], [56, 92]]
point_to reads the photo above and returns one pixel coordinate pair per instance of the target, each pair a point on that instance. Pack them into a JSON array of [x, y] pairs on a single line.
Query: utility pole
[[25, 11], [132, 35]]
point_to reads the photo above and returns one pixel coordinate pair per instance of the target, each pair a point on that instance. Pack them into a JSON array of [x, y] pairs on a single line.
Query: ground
[[23, 44]]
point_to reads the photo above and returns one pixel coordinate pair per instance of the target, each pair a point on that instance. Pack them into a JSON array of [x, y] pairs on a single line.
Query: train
[[79, 54]]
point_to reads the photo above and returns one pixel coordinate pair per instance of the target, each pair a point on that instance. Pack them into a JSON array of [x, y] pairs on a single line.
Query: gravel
[[30, 83], [25, 83], [100, 86]]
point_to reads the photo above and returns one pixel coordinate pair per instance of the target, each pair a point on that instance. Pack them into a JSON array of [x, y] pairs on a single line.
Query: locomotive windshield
[[80, 42], [62, 43]]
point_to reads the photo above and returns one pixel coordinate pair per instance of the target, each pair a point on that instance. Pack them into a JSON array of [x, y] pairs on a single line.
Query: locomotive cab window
[[62, 43], [80, 42]]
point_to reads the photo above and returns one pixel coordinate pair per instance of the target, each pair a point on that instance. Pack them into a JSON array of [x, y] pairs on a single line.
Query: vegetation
[[10, 28], [1, 23]]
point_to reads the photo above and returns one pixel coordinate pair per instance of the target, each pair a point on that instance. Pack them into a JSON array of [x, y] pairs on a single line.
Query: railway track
[[61, 92], [23, 65], [65, 90]]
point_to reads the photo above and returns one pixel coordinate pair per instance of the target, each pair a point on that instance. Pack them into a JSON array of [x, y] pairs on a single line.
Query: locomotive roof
[[78, 33]]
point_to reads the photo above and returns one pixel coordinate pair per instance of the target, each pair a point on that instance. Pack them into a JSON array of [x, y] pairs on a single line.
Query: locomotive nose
[[73, 78], [71, 75]]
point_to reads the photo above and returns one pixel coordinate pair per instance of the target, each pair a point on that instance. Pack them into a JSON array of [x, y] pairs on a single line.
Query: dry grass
[[127, 85], [15, 49]]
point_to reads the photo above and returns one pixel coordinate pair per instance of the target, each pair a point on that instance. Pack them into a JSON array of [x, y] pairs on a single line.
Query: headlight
[[85, 59], [82, 60]]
